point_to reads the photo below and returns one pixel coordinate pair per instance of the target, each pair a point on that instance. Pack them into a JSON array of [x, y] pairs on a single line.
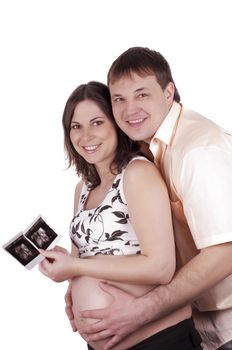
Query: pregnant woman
[[121, 231]]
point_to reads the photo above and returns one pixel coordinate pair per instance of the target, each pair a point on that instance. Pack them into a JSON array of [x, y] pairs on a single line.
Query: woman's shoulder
[[141, 173], [78, 189], [142, 179], [140, 166], [77, 194]]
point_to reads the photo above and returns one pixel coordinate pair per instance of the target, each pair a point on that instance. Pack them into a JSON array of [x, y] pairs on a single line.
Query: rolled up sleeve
[[206, 191]]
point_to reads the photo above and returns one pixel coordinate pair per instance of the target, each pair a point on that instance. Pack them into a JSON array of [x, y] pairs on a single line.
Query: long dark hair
[[142, 61], [126, 148]]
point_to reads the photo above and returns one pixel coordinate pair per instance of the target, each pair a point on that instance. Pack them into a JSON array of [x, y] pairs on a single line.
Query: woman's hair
[[126, 148], [142, 61]]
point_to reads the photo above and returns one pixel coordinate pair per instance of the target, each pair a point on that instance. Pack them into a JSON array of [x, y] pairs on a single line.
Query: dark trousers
[[226, 346], [182, 336]]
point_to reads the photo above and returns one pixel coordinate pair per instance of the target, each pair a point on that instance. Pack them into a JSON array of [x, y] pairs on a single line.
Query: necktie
[[145, 150], [157, 151]]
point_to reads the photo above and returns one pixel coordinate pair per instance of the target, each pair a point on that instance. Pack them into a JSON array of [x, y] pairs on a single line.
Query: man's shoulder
[[194, 120], [195, 130]]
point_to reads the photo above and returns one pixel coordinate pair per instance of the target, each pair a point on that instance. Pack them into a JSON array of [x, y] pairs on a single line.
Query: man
[[195, 158]]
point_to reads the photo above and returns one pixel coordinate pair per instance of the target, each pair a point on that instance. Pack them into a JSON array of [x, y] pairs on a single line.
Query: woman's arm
[[150, 215], [62, 251], [75, 253]]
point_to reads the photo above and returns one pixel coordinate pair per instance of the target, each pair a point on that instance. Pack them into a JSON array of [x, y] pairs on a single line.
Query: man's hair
[[142, 61], [126, 148]]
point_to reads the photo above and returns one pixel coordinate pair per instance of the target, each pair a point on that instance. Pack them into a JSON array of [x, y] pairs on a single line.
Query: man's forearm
[[190, 282], [201, 273]]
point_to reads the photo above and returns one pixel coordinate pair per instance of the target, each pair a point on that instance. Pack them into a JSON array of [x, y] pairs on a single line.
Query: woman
[[122, 228]]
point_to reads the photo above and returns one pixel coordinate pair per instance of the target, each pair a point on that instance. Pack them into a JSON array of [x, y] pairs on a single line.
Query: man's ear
[[169, 92]]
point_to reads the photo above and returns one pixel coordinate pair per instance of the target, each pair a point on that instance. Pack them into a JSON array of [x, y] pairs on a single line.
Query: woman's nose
[[86, 134]]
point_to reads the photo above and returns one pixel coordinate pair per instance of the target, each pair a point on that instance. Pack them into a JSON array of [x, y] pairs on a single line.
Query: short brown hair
[[126, 149], [142, 61]]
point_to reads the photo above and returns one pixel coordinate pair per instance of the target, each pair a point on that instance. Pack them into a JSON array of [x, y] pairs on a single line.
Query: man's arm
[[204, 271]]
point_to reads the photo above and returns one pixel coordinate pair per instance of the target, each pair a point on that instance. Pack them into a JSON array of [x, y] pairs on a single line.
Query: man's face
[[140, 105]]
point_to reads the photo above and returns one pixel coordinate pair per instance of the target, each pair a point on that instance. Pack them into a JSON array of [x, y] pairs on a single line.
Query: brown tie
[[157, 151], [145, 150]]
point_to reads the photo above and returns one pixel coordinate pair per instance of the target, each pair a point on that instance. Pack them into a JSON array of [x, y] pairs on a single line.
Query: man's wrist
[[143, 307]]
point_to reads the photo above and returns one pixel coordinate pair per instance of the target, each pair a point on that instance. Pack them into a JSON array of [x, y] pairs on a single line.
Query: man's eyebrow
[[140, 89], [135, 91], [97, 117], [116, 95]]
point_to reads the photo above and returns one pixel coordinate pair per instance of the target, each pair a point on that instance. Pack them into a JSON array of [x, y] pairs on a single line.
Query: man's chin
[[144, 138]]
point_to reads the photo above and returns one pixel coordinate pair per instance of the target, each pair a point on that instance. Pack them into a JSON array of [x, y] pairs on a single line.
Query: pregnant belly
[[87, 294]]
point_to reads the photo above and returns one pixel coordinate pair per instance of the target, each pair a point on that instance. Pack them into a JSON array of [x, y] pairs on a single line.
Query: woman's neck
[[98, 194], [106, 175]]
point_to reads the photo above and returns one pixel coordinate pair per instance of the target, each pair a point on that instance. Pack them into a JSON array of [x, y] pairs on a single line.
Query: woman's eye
[[97, 122], [118, 99], [75, 126], [142, 95]]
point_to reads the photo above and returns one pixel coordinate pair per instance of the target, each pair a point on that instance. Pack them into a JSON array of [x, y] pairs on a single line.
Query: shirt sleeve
[[206, 190]]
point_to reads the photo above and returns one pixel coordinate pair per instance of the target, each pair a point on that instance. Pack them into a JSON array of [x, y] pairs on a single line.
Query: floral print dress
[[106, 229]]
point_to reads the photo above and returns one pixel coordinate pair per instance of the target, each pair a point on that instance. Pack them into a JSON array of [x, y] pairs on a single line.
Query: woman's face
[[92, 133]]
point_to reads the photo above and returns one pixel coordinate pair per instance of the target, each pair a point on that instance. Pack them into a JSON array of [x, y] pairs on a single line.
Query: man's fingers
[[114, 291], [113, 341], [97, 314], [98, 336], [92, 329], [109, 289]]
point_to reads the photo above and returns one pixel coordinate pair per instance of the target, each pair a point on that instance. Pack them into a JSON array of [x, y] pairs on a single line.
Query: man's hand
[[119, 319], [68, 307], [127, 313]]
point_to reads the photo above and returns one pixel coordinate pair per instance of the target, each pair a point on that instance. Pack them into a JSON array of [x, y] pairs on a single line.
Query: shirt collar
[[166, 129]]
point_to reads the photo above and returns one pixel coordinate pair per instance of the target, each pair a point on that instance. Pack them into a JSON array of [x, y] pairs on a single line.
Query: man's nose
[[131, 107]]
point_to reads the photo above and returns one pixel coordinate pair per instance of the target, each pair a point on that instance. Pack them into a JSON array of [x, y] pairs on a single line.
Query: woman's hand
[[68, 307], [58, 264], [58, 248]]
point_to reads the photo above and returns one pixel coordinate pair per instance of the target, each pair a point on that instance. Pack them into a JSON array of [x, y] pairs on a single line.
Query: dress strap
[[83, 197]]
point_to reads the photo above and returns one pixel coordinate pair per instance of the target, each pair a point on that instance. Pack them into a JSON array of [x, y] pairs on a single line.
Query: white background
[[48, 47]]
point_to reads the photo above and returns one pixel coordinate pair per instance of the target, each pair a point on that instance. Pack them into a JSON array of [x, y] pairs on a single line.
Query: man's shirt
[[196, 163]]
